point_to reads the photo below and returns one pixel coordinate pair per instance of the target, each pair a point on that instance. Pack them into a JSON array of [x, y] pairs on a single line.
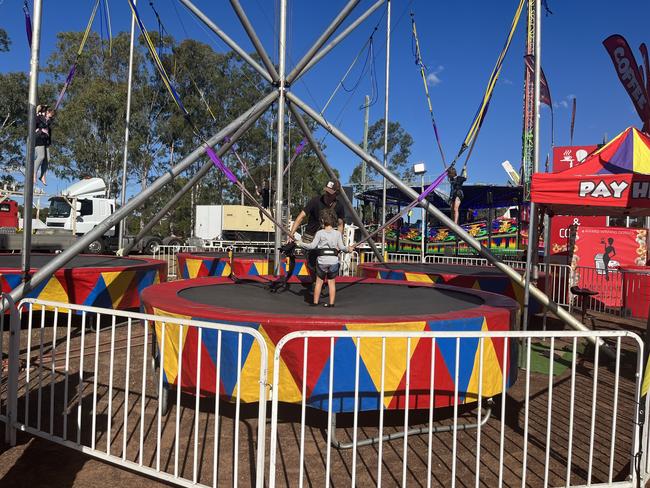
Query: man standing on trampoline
[[312, 211]]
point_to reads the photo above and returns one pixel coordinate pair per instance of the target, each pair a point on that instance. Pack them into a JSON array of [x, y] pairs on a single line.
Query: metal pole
[[189, 185], [224, 37], [248, 27], [28, 189], [366, 116], [279, 168], [445, 220], [547, 261], [323, 52], [330, 173], [383, 195], [320, 41], [120, 241], [531, 255], [424, 214], [247, 119]]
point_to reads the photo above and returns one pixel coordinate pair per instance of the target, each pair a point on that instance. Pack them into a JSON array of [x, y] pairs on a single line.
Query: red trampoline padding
[[96, 281], [204, 264], [362, 304]]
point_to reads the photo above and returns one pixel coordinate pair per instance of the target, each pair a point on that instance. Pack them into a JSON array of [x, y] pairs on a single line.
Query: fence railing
[[105, 382], [139, 391], [168, 254], [571, 419]]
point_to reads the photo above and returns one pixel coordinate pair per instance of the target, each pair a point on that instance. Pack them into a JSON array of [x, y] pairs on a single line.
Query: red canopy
[[614, 181]]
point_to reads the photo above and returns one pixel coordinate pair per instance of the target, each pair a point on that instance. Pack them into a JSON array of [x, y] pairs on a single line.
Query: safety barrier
[[90, 378], [620, 292], [106, 383], [168, 254], [577, 426]]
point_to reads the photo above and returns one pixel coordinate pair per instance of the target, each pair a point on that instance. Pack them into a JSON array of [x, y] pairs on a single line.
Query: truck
[[75, 212], [232, 222]]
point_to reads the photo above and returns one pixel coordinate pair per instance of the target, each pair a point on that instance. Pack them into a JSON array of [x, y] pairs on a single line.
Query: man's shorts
[[330, 271]]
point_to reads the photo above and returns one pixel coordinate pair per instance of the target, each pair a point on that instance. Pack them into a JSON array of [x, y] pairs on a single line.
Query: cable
[[82, 44], [216, 160], [415, 48]]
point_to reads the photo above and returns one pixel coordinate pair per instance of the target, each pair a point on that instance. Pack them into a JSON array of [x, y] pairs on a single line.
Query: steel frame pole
[[366, 116], [225, 38], [383, 194], [435, 212], [248, 27], [120, 240], [198, 176], [28, 189], [343, 14], [531, 255], [323, 52], [423, 241], [248, 117], [330, 173], [279, 167]]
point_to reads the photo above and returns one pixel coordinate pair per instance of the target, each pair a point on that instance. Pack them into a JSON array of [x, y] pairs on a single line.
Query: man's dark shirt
[[312, 210]]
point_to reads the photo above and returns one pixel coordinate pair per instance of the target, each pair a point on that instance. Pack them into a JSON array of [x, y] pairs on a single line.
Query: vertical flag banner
[[628, 72], [573, 121]]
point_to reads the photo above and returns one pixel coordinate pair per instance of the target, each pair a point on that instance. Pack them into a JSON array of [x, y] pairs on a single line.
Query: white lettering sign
[[602, 189]]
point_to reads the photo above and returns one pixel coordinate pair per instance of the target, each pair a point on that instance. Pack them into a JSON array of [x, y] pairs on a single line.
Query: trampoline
[[361, 304], [97, 281], [204, 264], [486, 278]]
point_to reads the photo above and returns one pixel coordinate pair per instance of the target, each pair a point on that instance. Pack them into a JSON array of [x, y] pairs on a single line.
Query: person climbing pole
[[44, 119]]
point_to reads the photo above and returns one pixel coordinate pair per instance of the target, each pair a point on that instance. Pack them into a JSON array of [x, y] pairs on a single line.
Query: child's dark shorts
[[329, 271]]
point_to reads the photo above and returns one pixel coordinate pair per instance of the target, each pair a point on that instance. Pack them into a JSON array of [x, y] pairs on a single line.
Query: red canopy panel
[[614, 180], [604, 194]]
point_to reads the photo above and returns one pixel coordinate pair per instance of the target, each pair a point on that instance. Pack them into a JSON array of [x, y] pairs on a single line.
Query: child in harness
[[327, 243]]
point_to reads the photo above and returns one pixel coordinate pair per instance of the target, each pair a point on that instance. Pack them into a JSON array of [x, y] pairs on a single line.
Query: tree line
[[88, 133]]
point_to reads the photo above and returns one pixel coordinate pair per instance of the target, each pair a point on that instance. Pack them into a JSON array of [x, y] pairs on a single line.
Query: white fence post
[[12, 383]]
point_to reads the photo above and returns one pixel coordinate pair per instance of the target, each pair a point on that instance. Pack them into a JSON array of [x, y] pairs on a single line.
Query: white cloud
[[564, 103], [432, 78]]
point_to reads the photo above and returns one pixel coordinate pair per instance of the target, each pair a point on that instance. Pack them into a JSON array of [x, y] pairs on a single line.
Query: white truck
[[75, 212]]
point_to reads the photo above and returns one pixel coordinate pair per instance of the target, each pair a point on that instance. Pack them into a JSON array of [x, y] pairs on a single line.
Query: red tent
[[614, 181]]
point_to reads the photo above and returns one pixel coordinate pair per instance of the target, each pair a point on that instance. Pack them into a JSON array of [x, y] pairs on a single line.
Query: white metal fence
[[90, 379], [580, 427], [168, 254]]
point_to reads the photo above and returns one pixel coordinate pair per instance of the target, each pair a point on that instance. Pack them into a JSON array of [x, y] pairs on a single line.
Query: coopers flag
[[629, 74]]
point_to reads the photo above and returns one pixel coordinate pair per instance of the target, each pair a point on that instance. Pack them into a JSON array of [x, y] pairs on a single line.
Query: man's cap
[[332, 186]]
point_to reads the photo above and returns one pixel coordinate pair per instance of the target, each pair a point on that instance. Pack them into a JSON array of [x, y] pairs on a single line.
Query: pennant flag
[[573, 119], [544, 91], [630, 76]]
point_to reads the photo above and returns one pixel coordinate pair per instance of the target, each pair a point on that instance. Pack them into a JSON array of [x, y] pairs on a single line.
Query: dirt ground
[[115, 412]]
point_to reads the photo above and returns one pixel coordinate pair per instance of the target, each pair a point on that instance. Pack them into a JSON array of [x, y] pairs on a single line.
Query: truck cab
[[81, 207]]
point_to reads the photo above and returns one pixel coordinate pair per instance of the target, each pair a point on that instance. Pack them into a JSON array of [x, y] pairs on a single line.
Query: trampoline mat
[[39, 260], [369, 299]]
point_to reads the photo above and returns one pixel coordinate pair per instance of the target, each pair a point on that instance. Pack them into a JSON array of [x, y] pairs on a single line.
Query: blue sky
[[460, 42]]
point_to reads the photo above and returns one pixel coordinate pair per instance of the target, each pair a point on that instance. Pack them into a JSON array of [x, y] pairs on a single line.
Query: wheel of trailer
[[151, 245], [176, 242], [96, 247]]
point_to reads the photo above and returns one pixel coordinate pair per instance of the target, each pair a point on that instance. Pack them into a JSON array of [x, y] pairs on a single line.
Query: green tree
[[5, 42], [13, 120], [399, 151]]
